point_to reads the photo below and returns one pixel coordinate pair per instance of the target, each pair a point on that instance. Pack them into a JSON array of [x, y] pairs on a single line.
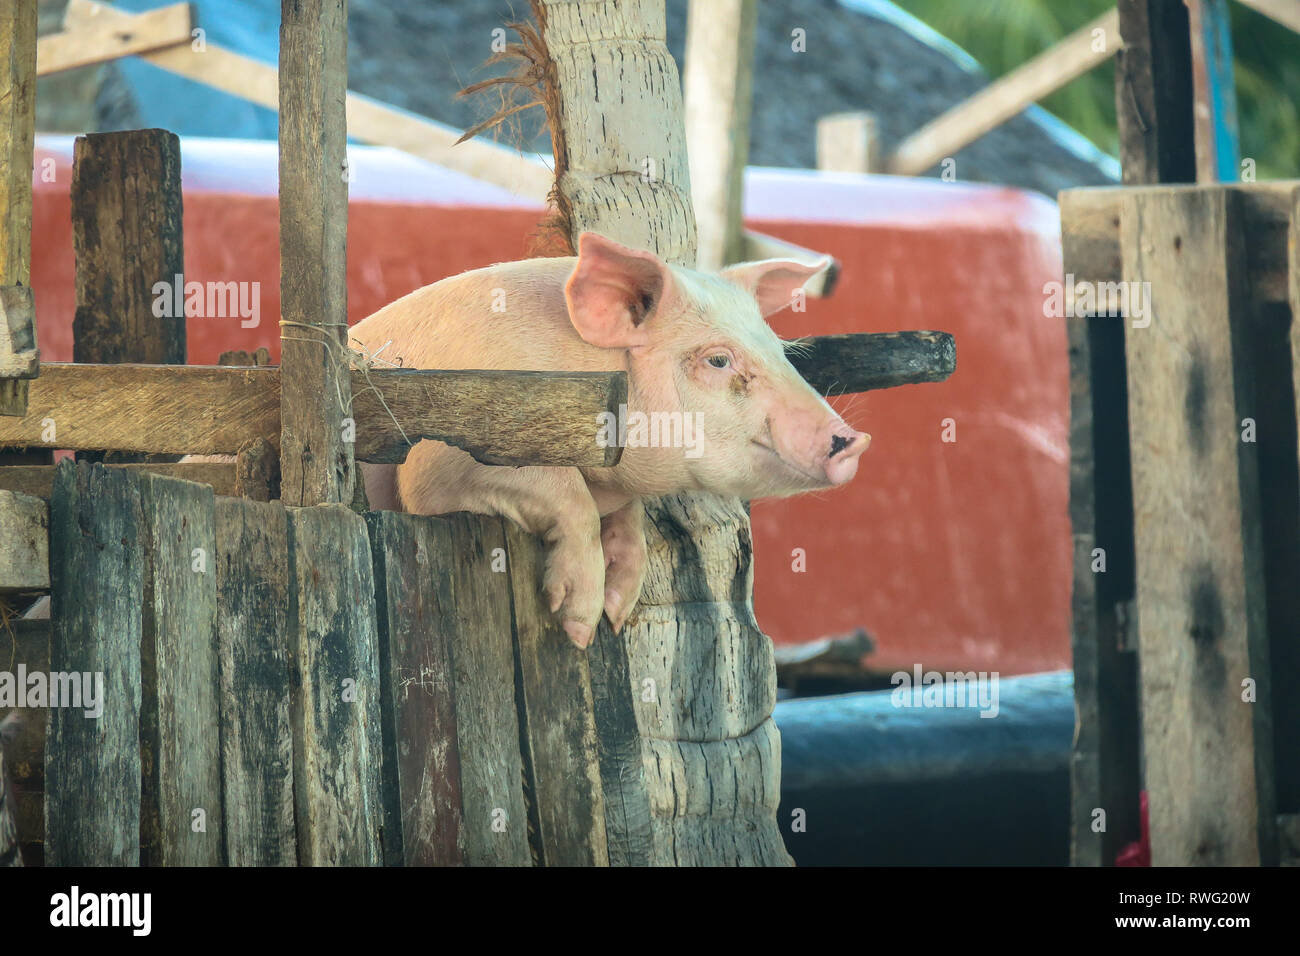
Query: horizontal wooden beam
[[38, 480], [499, 417], [865, 361], [379, 124], [1090, 224], [101, 40], [1005, 97]]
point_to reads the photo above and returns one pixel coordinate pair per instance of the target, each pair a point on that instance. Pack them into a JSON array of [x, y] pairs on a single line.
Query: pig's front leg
[[553, 503], [622, 538]]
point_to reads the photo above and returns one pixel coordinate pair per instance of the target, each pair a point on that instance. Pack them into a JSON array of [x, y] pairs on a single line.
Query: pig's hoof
[[625, 557], [573, 585], [579, 633]]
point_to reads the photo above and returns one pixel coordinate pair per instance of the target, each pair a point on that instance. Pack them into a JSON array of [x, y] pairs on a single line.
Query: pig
[[692, 344]]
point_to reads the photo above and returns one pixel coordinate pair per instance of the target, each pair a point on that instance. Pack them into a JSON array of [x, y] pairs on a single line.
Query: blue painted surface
[[188, 108], [1216, 31]]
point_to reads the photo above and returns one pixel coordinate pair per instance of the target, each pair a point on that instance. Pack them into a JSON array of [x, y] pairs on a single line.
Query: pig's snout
[[846, 446]]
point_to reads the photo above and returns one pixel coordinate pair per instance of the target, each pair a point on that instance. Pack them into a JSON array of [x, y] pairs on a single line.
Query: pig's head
[[700, 345]]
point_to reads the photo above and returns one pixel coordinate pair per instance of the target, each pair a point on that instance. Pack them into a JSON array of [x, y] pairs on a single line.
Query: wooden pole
[[718, 87], [1153, 93], [128, 240], [1002, 99], [848, 143], [689, 755], [316, 464], [1153, 97], [17, 138]]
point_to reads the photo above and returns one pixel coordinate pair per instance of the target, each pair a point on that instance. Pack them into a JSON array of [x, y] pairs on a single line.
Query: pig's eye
[[719, 360]]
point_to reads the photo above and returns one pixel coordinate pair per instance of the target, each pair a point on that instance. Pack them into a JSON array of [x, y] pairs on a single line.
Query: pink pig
[[692, 344]]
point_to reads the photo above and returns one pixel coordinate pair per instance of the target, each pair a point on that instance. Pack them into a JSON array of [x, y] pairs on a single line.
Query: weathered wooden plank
[[38, 480], [558, 729], [336, 741], [127, 236], [25, 531], [253, 646], [1090, 220], [863, 361], [92, 764], [494, 824], [181, 815], [1153, 93], [100, 42], [17, 140], [415, 611], [316, 462], [1196, 503], [506, 418]]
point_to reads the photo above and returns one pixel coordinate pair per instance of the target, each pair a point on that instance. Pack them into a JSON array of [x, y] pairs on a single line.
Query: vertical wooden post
[[17, 138], [1206, 694], [718, 85], [1153, 100], [130, 249], [848, 143], [316, 464], [1153, 93]]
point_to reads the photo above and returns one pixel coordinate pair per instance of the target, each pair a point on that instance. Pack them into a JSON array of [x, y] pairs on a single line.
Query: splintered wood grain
[[92, 764], [253, 647], [559, 731], [495, 817], [149, 408], [415, 610], [1197, 519], [337, 742], [180, 738]]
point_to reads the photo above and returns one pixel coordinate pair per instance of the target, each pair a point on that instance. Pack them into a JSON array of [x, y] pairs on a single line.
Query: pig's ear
[[773, 282], [613, 291]]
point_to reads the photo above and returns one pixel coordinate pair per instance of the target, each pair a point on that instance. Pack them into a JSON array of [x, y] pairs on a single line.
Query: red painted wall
[[950, 553]]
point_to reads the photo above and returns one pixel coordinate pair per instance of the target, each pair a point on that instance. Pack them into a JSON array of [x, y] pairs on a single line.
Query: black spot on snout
[[838, 444]]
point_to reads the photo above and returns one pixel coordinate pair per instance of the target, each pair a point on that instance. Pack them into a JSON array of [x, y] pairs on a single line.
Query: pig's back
[[507, 316]]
